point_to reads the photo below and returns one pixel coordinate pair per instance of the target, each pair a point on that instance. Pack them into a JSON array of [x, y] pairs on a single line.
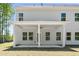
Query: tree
[[6, 13]]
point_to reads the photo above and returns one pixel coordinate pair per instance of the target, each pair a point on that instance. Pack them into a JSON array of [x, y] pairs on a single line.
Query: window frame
[[77, 36], [76, 17], [20, 16], [24, 36], [68, 36], [58, 36], [47, 36], [30, 36], [63, 17]]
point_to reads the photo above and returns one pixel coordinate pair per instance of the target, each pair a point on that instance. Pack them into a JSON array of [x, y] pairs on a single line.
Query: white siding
[[46, 15], [49, 16], [40, 16]]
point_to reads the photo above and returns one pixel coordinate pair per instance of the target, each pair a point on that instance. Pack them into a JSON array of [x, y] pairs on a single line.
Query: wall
[[46, 14], [40, 16], [19, 37], [53, 15], [51, 29]]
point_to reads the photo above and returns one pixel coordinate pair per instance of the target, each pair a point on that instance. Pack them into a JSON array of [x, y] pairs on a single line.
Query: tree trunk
[[2, 27]]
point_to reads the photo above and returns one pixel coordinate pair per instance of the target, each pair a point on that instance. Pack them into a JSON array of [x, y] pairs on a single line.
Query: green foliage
[[6, 13], [7, 38], [1, 37]]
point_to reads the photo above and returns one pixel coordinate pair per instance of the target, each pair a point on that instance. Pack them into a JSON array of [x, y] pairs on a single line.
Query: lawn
[[7, 50], [8, 44]]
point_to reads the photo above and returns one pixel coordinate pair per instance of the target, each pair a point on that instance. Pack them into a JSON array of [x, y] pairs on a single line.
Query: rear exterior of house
[[46, 26]]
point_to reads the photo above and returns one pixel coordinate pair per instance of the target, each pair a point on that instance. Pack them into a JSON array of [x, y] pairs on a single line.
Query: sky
[[39, 1]]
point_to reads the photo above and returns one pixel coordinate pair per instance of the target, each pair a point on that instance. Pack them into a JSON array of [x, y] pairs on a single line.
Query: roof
[[47, 6]]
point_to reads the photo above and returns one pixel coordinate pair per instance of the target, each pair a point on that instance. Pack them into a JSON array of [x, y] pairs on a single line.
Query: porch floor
[[36, 45]]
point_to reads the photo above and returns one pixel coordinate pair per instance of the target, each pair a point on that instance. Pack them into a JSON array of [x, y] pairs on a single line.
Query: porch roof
[[39, 22]]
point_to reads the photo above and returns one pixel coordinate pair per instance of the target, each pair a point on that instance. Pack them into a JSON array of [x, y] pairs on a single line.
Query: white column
[[38, 35], [64, 36]]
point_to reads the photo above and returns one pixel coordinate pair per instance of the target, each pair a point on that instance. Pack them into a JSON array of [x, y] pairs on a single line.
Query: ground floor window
[[47, 35], [68, 36], [58, 35], [24, 35], [30, 35], [76, 35], [27, 35]]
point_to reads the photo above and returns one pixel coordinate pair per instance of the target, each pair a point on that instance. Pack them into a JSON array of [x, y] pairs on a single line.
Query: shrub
[[7, 38], [1, 38]]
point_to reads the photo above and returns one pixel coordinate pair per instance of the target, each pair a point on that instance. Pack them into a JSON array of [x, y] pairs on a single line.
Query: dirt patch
[[6, 49]]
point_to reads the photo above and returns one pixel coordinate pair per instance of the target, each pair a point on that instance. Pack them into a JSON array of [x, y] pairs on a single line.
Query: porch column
[[64, 36], [38, 35]]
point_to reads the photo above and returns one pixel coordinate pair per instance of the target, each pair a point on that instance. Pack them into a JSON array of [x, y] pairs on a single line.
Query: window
[[63, 16], [30, 35], [76, 16], [20, 19], [68, 36], [20, 16], [76, 35], [24, 35], [58, 36], [47, 35]]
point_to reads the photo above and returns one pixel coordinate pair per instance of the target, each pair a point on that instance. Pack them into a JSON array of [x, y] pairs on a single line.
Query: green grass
[[7, 44]]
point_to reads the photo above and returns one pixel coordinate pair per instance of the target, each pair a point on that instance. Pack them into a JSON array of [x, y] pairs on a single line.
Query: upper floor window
[[20, 16], [63, 16], [76, 16]]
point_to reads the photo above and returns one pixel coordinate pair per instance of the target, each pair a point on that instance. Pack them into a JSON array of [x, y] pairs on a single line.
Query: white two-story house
[[46, 26]]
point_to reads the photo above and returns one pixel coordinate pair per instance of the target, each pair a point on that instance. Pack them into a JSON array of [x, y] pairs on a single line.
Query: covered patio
[[39, 25]]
